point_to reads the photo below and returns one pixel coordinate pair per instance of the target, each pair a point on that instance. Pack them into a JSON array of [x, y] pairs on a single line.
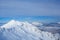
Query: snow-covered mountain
[[16, 30]]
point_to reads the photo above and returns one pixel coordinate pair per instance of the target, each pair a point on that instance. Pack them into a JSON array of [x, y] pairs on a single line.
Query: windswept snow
[[16, 30]]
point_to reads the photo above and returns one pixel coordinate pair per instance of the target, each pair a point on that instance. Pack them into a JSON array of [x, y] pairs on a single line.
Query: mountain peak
[[9, 24], [12, 21]]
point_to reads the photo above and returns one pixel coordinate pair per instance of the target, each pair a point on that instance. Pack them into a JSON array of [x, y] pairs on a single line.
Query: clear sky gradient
[[14, 8], [45, 19]]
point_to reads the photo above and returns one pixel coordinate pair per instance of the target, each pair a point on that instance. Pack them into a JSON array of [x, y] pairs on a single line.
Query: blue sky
[[15, 8], [48, 10], [44, 19]]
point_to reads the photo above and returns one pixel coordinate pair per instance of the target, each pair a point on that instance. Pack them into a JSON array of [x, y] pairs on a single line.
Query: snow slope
[[16, 30]]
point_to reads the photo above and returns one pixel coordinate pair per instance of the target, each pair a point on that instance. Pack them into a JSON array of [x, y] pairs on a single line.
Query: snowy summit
[[16, 30]]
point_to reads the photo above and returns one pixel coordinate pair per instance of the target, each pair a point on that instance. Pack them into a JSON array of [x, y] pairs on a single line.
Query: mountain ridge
[[16, 30]]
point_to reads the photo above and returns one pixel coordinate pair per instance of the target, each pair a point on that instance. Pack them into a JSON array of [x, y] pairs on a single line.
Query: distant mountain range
[[52, 25]]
